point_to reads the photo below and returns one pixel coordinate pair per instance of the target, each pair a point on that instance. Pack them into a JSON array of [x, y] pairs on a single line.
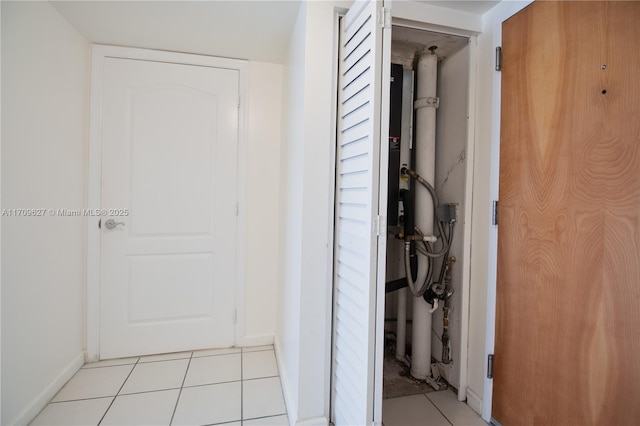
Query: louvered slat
[[356, 207]]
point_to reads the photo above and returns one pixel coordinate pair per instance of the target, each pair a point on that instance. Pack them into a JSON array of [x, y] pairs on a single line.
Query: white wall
[[304, 333], [45, 76], [287, 340], [45, 104], [317, 222], [263, 202], [451, 149]]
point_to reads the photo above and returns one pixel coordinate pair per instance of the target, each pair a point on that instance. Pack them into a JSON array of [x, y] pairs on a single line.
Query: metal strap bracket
[[430, 102]]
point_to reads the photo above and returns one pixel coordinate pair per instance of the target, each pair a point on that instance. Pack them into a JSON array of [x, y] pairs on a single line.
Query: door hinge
[[490, 366], [494, 213], [238, 101], [235, 315], [384, 17], [379, 224], [498, 58], [237, 209]]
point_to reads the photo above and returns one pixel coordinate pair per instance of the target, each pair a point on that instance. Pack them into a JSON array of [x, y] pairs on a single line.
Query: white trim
[[93, 202], [449, 20], [469, 171], [508, 10], [241, 219], [0, 208], [99, 53], [465, 297], [338, 13], [39, 402], [492, 243], [170, 57], [314, 421], [248, 341], [288, 400], [474, 401], [334, 153], [383, 191], [424, 26]]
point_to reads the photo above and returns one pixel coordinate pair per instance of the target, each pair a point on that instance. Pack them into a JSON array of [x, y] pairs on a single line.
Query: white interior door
[[169, 166], [361, 175]]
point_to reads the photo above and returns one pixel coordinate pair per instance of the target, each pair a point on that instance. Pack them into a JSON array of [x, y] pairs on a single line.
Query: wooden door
[[169, 167], [568, 292]]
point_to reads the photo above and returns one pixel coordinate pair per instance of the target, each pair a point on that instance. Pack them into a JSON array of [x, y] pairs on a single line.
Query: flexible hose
[[434, 197], [427, 249], [407, 267], [409, 228]]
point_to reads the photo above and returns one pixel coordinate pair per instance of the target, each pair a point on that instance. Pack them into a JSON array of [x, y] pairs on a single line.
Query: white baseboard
[[41, 401], [474, 401], [313, 421], [255, 340], [288, 401]]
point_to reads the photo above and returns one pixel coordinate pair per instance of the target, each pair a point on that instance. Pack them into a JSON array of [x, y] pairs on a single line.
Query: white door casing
[[361, 175], [169, 138], [503, 12]]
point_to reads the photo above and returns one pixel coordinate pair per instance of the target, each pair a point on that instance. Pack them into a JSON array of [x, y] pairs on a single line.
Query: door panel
[[169, 157], [358, 178], [567, 323]]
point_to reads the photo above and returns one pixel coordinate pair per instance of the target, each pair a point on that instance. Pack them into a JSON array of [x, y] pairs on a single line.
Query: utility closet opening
[[428, 132]]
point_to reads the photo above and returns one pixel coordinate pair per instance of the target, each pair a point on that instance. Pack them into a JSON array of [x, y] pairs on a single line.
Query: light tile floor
[[429, 409], [220, 386]]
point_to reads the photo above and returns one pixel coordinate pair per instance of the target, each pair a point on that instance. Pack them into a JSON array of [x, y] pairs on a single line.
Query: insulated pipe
[[425, 147]]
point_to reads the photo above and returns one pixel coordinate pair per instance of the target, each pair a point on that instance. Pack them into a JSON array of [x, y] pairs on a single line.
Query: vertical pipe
[[446, 343], [405, 158], [425, 128], [401, 325]]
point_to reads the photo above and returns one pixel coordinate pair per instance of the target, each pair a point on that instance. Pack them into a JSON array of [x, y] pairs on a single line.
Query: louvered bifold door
[[361, 96]]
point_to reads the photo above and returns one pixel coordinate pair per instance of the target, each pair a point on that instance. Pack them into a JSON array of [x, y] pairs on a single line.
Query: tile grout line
[[175, 408], [187, 357], [118, 393], [107, 366], [210, 384], [260, 378], [221, 424], [80, 399], [438, 408], [268, 417], [149, 391], [259, 350]]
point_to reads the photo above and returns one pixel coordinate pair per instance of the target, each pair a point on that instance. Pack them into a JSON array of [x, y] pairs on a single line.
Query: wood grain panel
[[568, 291]]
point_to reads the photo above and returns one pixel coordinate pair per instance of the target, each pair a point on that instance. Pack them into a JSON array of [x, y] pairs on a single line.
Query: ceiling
[[474, 6], [257, 30], [409, 43]]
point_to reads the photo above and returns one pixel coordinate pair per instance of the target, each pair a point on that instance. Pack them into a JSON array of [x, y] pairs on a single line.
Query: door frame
[[468, 197], [94, 173], [507, 11], [465, 281]]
